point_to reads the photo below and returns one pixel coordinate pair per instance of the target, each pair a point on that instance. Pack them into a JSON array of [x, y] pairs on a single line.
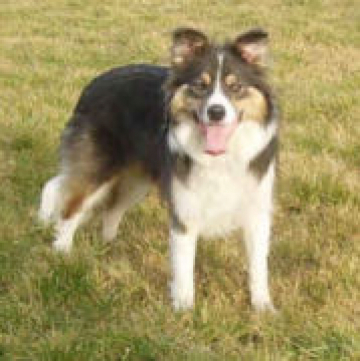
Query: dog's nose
[[216, 112]]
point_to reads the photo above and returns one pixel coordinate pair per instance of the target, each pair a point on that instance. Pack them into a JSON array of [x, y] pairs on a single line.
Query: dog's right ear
[[187, 45], [252, 46]]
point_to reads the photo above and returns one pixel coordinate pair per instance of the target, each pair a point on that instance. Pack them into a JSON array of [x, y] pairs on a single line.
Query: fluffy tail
[[50, 196]]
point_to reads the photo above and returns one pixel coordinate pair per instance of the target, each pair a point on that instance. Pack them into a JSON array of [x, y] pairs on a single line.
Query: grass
[[110, 302]]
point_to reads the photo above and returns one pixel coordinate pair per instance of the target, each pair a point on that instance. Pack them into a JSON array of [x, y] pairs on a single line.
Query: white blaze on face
[[216, 135], [218, 97]]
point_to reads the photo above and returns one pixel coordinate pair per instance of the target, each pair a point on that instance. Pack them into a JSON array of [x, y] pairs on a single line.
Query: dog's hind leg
[[65, 230], [49, 204], [124, 194], [79, 203]]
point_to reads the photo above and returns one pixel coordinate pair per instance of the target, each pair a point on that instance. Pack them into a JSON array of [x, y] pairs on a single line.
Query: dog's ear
[[252, 46], [188, 44]]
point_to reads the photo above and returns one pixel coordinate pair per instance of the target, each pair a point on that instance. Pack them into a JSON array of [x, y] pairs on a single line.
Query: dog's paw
[[262, 305], [182, 297], [62, 247]]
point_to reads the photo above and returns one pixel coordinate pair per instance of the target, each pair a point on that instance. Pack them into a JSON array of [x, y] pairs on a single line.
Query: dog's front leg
[[257, 238], [182, 257]]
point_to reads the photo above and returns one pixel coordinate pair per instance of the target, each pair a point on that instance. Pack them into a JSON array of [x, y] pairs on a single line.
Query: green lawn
[[110, 302]]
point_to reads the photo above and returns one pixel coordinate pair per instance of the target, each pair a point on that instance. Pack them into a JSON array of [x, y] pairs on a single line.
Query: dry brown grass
[[110, 302]]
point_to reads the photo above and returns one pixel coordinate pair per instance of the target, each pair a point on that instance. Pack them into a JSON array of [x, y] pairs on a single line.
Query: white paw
[[182, 297], [263, 304], [61, 246]]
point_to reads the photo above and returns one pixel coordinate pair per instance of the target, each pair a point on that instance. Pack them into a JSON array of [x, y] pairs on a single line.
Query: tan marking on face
[[181, 105], [206, 78], [230, 80], [253, 106]]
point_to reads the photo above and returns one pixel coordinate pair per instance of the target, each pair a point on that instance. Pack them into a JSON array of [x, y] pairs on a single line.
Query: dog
[[204, 129]]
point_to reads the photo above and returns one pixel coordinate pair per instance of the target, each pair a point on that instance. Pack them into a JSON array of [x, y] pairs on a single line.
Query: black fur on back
[[122, 115]]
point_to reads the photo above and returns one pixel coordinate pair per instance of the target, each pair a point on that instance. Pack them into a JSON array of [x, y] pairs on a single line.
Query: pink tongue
[[216, 137]]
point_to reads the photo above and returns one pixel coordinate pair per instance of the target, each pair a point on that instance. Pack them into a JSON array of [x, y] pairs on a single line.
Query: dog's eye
[[236, 88], [233, 84], [198, 87]]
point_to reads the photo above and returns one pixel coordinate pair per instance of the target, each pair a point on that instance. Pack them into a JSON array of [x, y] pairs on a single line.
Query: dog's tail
[[50, 199]]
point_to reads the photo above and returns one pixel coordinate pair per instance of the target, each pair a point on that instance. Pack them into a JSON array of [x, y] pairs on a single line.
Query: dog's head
[[214, 88]]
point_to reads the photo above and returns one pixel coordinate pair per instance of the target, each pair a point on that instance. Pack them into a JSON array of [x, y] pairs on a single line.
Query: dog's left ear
[[252, 46], [188, 45]]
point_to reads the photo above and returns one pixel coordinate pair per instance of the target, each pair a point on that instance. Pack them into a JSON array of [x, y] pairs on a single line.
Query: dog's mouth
[[217, 135]]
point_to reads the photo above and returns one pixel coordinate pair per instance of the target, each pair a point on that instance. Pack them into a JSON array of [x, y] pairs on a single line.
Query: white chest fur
[[215, 201], [220, 192]]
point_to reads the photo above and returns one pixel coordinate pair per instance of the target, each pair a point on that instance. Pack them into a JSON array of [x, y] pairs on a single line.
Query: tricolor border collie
[[203, 129]]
